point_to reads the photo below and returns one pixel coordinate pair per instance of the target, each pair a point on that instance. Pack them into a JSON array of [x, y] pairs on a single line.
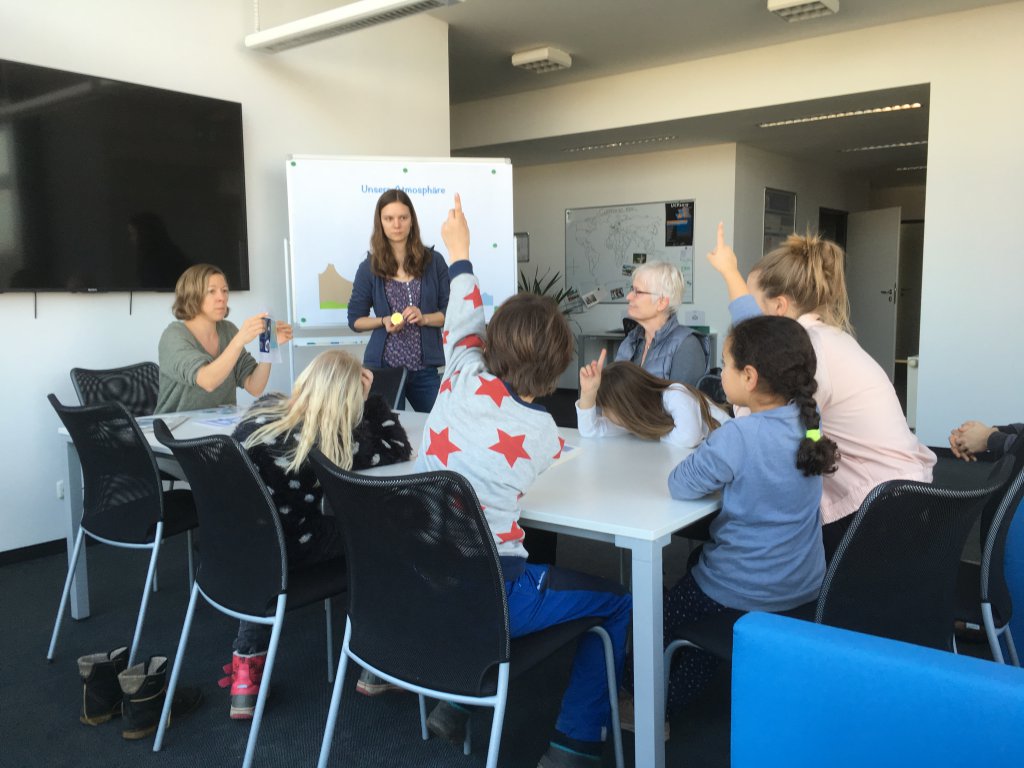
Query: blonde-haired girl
[[804, 279], [330, 408], [622, 397]]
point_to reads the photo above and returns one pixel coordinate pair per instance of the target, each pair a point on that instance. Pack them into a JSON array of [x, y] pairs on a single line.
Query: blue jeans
[[544, 596], [421, 389]]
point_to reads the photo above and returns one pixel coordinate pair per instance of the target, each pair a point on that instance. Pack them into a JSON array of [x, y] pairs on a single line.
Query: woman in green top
[[202, 355]]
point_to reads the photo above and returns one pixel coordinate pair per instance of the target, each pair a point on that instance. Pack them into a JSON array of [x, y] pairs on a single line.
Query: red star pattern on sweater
[[441, 446], [475, 297], [515, 533], [446, 385], [444, 336], [470, 341], [561, 445], [511, 447], [492, 388]]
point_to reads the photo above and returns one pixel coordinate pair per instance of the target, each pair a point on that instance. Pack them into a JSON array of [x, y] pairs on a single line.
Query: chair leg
[[332, 712], [330, 641], [1011, 649], [494, 747], [467, 740], [150, 580], [64, 595], [423, 717], [268, 669], [670, 652], [613, 692], [991, 633], [179, 658]]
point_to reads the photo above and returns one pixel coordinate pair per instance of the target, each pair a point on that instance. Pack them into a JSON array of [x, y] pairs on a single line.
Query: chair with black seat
[[992, 608], [711, 385], [893, 575], [427, 604], [134, 386], [124, 503], [389, 383], [248, 580]]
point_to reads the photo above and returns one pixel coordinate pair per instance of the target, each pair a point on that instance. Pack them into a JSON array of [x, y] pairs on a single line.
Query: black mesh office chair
[[894, 574], [124, 502], [389, 383], [134, 386], [244, 568], [992, 608], [427, 606]]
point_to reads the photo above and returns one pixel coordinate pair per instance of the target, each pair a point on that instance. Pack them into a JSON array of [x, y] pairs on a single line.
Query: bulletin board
[[605, 245]]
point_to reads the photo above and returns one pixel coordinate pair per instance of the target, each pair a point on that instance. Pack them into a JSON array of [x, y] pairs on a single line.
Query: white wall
[[974, 63], [356, 94]]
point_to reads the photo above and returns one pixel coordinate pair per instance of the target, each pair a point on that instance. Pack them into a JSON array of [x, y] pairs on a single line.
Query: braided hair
[[780, 350]]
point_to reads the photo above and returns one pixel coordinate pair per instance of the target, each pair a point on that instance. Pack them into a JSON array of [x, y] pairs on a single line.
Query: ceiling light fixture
[[541, 60], [338, 21], [906, 168], [801, 10], [894, 145], [617, 144], [837, 115]]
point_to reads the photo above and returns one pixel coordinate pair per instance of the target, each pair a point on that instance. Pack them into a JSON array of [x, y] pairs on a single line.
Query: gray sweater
[[181, 357], [765, 551]]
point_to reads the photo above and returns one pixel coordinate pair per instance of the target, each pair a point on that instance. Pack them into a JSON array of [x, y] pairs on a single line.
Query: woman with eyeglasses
[[659, 343]]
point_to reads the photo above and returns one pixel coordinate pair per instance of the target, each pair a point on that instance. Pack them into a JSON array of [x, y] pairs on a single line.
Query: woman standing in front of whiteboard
[[405, 283]]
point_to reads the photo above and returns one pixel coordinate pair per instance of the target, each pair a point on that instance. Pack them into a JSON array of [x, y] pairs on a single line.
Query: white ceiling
[[607, 37]]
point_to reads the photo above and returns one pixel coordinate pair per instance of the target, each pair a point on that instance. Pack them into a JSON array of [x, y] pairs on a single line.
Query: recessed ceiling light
[[912, 168], [894, 145], [801, 10], [837, 115], [541, 60], [617, 144]]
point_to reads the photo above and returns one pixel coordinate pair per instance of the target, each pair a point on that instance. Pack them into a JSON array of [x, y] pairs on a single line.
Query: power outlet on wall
[[693, 317]]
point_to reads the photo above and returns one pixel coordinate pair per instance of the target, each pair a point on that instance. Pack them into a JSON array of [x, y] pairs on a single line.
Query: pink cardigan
[[860, 411]]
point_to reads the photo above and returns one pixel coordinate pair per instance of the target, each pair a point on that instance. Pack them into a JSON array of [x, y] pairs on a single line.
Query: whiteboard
[[331, 201], [603, 246]]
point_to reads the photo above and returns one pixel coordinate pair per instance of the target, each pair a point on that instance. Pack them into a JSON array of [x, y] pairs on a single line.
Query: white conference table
[[612, 489]]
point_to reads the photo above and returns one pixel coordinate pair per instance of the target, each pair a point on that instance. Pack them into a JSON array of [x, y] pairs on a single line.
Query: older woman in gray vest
[[659, 344]]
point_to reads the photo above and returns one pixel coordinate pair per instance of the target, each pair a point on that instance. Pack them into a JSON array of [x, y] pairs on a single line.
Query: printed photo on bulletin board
[[605, 245]]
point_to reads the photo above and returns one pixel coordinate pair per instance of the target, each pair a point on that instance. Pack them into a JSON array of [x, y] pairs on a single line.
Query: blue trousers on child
[[544, 596]]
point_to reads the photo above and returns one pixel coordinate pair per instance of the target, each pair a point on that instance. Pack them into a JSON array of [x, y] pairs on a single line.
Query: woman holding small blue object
[[659, 344], [202, 355], [766, 550], [405, 283]]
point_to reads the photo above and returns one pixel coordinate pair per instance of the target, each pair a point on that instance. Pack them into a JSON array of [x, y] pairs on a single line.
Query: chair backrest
[[996, 518], [388, 383], [711, 385], [894, 573], [426, 593], [123, 498], [134, 386], [243, 565]]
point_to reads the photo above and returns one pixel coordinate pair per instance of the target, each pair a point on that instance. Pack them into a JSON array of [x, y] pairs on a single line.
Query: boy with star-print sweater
[[485, 426]]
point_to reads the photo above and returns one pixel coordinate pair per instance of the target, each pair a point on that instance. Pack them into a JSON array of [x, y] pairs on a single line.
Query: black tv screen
[[112, 186]]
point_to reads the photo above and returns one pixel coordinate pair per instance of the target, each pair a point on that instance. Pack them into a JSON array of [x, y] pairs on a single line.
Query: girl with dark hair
[[765, 551], [623, 397], [405, 283]]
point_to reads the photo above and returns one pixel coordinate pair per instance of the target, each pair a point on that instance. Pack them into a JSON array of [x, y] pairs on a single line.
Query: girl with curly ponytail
[[765, 551]]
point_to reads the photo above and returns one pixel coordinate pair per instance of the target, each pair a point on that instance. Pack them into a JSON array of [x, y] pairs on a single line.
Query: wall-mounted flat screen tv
[[112, 186]]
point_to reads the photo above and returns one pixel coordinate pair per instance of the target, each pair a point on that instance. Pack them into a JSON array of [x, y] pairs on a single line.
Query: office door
[[872, 276]]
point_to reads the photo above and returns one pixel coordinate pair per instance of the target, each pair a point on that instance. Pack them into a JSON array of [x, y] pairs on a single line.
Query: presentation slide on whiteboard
[[331, 202]]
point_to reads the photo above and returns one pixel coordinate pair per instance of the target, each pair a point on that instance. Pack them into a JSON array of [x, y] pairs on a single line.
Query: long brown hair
[[382, 259], [810, 271], [634, 396]]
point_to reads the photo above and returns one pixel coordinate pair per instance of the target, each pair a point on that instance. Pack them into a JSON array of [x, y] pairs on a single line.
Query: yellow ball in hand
[[397, 319]]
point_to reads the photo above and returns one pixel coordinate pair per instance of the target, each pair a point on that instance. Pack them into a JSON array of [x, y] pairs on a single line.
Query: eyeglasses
[[638, 292]]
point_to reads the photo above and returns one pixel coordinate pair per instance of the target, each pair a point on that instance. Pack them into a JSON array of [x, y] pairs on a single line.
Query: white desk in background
[[613, 490]]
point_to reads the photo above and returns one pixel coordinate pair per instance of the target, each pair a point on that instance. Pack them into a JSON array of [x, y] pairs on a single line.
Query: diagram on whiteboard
[[331, 203], [604, 246]]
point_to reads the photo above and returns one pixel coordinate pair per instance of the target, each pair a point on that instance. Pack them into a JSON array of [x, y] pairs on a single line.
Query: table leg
[[73, 505], [648, 649]]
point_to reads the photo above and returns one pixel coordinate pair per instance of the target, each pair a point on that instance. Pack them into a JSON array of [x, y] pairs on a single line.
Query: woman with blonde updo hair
[[804, 279], [202, 355], [330, 408]]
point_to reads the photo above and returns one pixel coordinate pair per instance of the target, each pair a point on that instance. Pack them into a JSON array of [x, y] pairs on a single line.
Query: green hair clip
[[813, 434]]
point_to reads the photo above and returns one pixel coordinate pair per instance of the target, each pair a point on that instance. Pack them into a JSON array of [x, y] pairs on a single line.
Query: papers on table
[[173, 422]]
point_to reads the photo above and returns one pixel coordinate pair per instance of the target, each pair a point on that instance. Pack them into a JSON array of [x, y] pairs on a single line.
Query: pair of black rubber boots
[[110, 688]]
